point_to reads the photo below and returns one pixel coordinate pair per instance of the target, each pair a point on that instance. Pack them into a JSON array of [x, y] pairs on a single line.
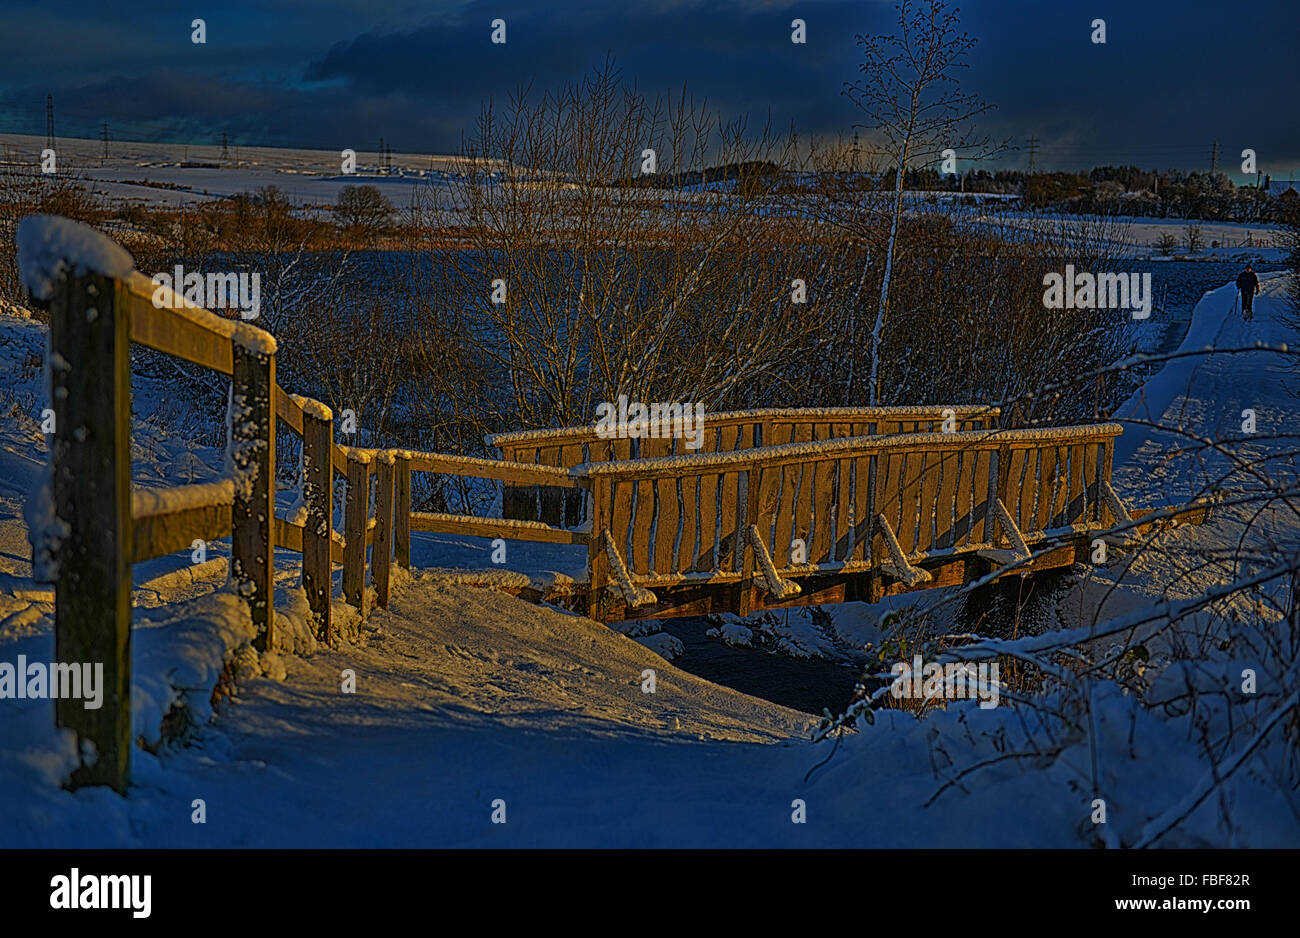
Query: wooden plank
[[193, 334], [728, 485], [1046, 487], [639, 559], [861, 521], [597, 557], [690, 500], [1010, 477], [1107, 460], [912, 514], [762, 496], [494, 527], [252, 560], [986, 480], [655, 447], [1061, 493], [574, 500], [318, 535], [356, 512], [620, 526], [1075, 508], [402, 511], [945, 501], [665, 535], [963, 498], [843, 545], [785, 508], [381, 553], [551, 499], [718, 516], [1025, 508], [523, 474], [90, 377], [288, 410], [804, 506], [889, 491], [1091, 477], [728, 437], [823, 506], [519, 492], [156, 533]]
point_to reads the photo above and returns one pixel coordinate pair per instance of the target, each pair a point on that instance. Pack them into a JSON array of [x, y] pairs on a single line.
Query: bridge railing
[[724, 432], [846, 505]]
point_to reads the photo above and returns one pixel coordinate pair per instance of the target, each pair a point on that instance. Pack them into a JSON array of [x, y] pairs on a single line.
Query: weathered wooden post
[[356, 512], [88, 538], [600, 489], [402, 511], [381, 553], [318, 493], [252, 450]]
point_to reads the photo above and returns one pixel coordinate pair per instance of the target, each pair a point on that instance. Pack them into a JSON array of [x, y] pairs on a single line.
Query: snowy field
[[173, 175], [465, 696]]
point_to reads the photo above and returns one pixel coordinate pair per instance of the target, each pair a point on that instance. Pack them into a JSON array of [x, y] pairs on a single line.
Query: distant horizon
[[1238, 179]]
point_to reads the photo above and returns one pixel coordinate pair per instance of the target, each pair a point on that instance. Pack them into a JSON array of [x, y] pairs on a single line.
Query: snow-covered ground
[[465, 696]]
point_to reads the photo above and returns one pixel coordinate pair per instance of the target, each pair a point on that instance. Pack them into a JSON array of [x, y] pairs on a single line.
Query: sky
[[1173, 77]]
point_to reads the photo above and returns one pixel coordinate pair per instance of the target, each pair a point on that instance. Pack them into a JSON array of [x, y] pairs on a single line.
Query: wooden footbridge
[[775, 508]]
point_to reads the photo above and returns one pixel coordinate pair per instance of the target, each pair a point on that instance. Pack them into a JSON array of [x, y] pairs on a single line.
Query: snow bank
[[50, 247], [179, 656]]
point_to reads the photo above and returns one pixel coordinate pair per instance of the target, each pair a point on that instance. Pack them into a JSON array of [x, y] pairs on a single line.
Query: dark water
[[806, 684]]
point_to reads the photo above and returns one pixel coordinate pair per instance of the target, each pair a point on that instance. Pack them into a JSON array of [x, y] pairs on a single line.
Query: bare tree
[[910, 93]]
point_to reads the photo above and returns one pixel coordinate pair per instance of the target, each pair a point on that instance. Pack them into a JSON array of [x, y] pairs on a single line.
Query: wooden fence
[[108, 525]]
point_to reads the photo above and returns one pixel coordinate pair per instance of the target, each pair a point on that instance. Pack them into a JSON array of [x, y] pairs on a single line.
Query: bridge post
[[252, 450], [90, 462], [597, 558], [356, 514], [402, 510], [381, 554], [318, 537]]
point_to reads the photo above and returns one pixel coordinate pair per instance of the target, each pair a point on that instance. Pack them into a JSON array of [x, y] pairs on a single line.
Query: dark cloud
[[1172, 77]]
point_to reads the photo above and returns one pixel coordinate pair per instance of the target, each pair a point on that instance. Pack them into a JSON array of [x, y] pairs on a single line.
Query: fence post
[[381, 556], [402, 511], [753, 483], [317, 538], [597, 558], [252, 450], [356, 512], [91, 491]]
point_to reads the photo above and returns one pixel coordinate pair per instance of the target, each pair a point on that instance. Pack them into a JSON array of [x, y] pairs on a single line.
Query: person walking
[[1247, 286]]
